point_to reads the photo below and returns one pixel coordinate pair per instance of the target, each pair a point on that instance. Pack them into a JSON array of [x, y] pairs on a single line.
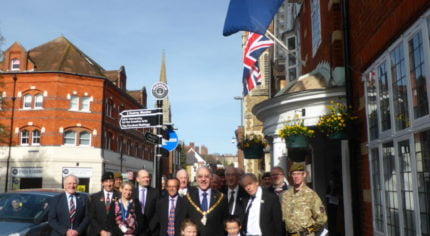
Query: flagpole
[[282, 44]]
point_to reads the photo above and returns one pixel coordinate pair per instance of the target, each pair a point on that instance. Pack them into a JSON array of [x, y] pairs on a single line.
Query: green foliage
[[295, 126], [336, 120], [252, 140]]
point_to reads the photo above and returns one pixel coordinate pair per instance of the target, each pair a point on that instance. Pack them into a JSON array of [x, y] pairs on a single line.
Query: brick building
[[65, 119], [390, 61]]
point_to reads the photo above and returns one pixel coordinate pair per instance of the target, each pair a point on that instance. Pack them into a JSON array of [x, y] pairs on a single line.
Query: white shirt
[[253, 225], [175, 200], [145, 192], [106, 195], [183, 191], [208, 196], [236, 190], [68, 200]]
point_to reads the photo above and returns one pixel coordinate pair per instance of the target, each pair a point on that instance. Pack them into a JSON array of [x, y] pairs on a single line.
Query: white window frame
[[25, 102], [89, 139], [295, 53], [74, 103], [34, 137], [38, 104], [396, 136], [15, 62], [315, 25], [64, 138], [21, 137], [85, 103]]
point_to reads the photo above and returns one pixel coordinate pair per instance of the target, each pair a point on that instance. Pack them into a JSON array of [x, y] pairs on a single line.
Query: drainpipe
[[10, 133], [349, 172]]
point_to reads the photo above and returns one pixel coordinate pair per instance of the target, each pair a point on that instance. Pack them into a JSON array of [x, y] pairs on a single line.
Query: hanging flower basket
[[295, 133], [334, 124], [253, 152], [252, 146], [297, 141], [338, 135]]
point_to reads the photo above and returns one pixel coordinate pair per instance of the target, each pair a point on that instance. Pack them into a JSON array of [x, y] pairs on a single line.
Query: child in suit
[[232, 226]]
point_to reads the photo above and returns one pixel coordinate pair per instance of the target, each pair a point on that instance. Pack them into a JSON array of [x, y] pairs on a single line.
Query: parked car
[[25, 212]]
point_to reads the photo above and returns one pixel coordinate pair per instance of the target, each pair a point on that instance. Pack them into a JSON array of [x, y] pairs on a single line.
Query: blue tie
[[205, 201]]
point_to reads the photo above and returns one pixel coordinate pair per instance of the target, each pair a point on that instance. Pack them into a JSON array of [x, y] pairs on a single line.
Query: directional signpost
[[141, 118], [151, 138]]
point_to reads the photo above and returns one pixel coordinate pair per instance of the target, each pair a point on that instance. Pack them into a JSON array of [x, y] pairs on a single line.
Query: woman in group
[[125, 215], [188, 228]]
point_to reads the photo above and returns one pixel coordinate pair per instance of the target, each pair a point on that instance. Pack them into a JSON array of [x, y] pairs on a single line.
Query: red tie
[[171, 222], [107, 203]]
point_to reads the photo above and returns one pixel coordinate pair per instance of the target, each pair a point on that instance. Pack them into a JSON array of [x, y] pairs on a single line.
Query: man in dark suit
[[100, 204], [170, 211], [68, 211], [147, 197], [205, 206], [236, 195], [263, 215]]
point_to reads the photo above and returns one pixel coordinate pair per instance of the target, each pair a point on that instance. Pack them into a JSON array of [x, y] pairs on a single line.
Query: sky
[[204, 68]]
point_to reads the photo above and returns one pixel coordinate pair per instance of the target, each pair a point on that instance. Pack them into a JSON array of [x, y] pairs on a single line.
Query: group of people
[[241, 206]]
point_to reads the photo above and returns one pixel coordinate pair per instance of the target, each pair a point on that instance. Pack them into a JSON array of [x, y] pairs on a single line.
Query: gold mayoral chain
[[204, 213]]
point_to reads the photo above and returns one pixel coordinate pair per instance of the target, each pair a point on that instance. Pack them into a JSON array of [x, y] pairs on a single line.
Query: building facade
[[390, 59], [61, 111]]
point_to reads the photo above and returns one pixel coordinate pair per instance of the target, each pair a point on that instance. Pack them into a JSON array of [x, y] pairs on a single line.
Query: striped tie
[[171, 222], [72, 211]]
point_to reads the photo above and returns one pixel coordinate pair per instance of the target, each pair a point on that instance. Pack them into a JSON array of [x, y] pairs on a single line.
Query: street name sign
[[140, 118]]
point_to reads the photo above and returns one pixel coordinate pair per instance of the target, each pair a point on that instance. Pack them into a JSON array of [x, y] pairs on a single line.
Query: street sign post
[[172, 143], [141, 118]]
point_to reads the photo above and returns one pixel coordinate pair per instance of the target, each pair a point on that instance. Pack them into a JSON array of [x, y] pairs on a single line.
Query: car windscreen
[[22, 206]]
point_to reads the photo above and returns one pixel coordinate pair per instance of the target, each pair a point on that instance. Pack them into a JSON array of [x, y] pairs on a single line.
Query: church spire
[[167, 116], [163, 77]]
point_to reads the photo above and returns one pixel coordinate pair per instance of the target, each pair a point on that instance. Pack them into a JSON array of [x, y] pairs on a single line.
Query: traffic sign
[[151, 138], [141, 118], [172, 143], [160, 90]]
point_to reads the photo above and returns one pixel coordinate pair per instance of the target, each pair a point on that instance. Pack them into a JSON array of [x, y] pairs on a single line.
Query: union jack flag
[[255, 45]]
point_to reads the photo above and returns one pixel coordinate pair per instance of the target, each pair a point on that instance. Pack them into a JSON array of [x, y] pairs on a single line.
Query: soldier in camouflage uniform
[[302, 210]]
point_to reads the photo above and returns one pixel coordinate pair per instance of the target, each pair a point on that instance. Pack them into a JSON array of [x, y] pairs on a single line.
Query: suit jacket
[[241, 197], [58, 214], [160, 220], [112, 226], [152, 196], [270, 214], [214, 225], [97, 211]]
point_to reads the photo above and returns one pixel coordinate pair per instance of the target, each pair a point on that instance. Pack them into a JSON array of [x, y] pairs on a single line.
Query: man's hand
[[72, 232], [105, 233]]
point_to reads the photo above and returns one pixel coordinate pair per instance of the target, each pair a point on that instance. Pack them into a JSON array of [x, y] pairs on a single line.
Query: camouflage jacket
[[303, 210]]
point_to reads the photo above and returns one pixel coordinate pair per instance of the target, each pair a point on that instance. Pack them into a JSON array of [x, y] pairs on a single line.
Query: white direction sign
[[140, 118]]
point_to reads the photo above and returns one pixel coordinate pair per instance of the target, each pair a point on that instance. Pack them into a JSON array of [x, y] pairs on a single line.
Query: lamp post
[[10, 133], [240, 132], [241, 108]]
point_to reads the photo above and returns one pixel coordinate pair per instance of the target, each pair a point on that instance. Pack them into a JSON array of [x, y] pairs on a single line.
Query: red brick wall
[[327, 51], [56, 114]]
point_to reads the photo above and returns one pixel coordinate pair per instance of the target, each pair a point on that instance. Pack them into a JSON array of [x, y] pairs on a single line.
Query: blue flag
[[250, 15]]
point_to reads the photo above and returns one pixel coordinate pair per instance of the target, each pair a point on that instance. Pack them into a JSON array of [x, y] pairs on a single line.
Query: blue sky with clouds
[[204, 68]]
